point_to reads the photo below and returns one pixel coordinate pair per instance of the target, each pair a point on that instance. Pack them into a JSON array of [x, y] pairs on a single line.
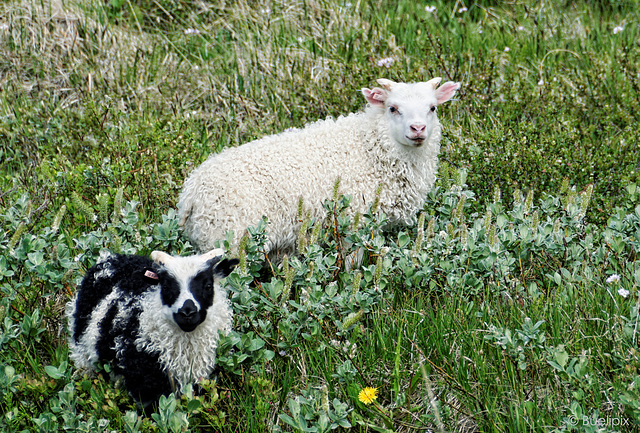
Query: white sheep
[[155, 321], [394, 143]]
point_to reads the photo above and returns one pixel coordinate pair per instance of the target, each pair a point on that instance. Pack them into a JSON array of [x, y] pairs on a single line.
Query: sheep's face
[[410, 109], [188, 285]]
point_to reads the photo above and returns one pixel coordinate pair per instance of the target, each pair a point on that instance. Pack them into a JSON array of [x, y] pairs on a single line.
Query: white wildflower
[[462, 10], [507, 49], [520, 28], [192, 31], [623, 292], [614, 278], [304, 295], [430, 9], [617, 29], [354, 350], [386, 62], [541, 82]]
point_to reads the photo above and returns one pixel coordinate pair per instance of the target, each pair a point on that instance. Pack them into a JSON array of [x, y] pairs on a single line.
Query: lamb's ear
[[446, 91], [387, 84], [160, 257], [225, 267], [434, 82], [377, 96], [217, 252]]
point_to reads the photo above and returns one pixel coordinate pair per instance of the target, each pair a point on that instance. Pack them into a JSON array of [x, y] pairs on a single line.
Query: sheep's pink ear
[[434, 82], [446, 91], [160, 257], [377, 96]]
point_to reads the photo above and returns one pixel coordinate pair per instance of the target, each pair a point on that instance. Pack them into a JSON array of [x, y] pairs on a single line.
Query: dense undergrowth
[[512, 303]]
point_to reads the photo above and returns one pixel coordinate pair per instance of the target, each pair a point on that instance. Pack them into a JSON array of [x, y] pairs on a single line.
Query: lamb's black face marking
[[188, 300], [170, 288], [190, 315]]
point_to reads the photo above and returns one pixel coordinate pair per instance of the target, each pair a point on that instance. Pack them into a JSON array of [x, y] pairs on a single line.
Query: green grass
[[493, 313]]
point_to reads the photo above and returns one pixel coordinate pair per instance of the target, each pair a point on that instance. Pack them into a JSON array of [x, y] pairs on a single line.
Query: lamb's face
[[411, 114], [186, 300], [410, 109], [188, 285]]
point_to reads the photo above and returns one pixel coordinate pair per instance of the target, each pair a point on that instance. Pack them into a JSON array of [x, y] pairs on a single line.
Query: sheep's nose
[[417, 127], [188, 309]]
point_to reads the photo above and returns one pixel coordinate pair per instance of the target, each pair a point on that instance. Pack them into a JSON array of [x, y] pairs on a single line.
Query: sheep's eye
[[393, 109], [433, 108]]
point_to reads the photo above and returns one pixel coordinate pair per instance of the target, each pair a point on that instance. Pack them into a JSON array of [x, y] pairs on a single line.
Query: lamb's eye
[[393, 109], [433, 108]]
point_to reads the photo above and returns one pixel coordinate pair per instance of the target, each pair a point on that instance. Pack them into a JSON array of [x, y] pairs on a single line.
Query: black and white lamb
[[156, 321]]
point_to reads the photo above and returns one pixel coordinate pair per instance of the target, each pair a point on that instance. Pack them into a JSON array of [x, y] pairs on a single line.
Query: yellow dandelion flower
[[368, 395]]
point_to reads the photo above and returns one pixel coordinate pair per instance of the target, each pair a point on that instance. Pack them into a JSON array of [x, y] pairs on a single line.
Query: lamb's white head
[[187, 285], [411, 108]]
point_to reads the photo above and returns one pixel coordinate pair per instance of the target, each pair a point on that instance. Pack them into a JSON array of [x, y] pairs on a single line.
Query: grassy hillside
[[512, 304]]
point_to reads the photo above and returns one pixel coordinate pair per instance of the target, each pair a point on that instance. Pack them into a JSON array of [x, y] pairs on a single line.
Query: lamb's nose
[[188, 309], [417, 128]]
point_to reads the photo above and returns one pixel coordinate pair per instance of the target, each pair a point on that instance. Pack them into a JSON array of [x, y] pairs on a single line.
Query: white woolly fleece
[[84, 353], [185, 356], [232, 190]]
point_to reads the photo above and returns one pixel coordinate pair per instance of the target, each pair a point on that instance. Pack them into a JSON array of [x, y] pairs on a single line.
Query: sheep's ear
[[387, 84], [377, 96], [434, 82], [225, 267], [217, 252], [446, 91], [160, 257]]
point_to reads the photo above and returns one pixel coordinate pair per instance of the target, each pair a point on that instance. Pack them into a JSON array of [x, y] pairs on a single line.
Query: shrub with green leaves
[[311, 308]]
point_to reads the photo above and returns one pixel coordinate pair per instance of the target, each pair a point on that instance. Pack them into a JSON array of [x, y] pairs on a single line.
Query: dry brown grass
[[59, 52], [65, 52]]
